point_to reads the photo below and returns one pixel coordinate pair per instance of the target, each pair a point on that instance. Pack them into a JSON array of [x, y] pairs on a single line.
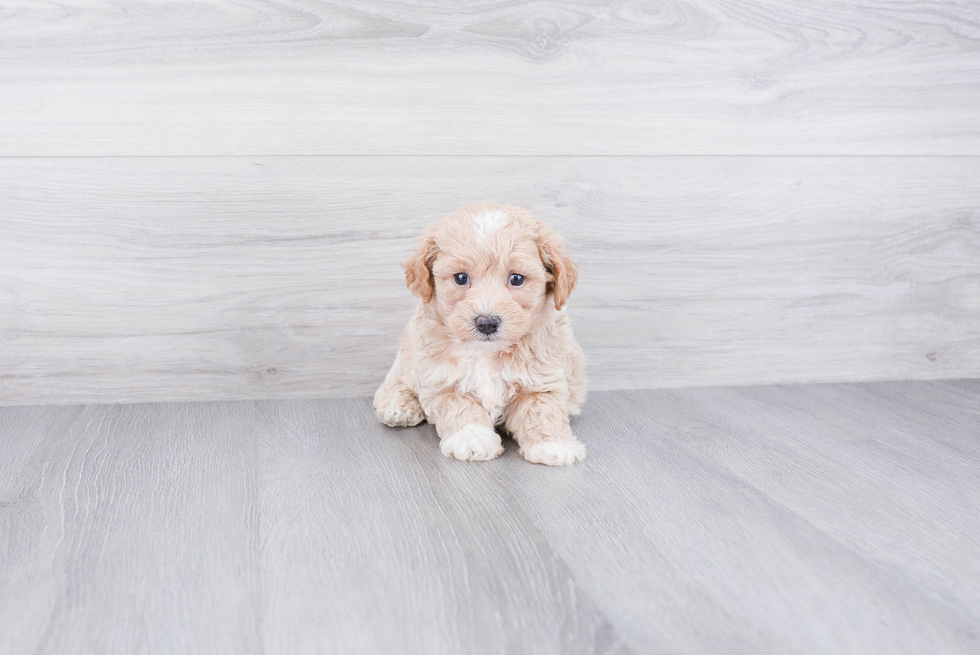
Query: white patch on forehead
[[489, 221]]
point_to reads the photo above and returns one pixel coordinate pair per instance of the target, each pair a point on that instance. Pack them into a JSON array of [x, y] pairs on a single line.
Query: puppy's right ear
[[418, 269]]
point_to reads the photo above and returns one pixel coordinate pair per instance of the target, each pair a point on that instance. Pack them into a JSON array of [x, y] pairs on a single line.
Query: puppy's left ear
[[418, 269], [557, 262]]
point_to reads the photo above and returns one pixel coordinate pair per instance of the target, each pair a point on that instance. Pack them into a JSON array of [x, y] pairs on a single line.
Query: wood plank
[[722, 520], [374, 543], [553, 77], [865, 464], [273, 528], [210, 278], [824, 518], [128, 529]]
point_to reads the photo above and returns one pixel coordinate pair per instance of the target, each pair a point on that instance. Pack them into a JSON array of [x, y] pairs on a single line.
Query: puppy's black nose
[[487, 324]]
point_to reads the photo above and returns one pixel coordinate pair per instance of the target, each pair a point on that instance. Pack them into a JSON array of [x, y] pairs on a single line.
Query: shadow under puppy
[[489, 344]]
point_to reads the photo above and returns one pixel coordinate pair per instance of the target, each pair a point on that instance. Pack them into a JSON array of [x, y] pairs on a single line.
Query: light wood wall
[[211, 199]]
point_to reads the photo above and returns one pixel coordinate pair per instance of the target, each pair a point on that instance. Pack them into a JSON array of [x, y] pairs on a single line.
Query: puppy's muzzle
[[487, 324]]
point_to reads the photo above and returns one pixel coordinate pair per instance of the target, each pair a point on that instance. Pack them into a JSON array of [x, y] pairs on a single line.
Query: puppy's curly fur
[[518, 366]]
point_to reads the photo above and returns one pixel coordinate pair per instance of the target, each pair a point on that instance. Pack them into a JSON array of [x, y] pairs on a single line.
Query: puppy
[[489, 344]]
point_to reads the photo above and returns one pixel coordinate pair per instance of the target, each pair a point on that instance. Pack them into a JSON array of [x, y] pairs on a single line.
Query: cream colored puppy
[[489, 344]]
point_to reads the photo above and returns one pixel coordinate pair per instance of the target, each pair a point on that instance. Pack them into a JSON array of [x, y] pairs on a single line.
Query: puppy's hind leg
[[395, 403], [398, 407], [576, 380]]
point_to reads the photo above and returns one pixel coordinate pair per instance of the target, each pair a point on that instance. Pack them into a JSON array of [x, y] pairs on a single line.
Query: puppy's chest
[[486, 378]]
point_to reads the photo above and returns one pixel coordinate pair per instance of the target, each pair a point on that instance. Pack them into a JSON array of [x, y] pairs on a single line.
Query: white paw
[[472, 442], [554, 453], [401, 411]]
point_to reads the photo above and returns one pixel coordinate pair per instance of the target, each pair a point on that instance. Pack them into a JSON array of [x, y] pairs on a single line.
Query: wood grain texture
[[813, 519], [126, 529], [774, 519], [211, 278], [267, 528], [860, 452], [251, 77], [374, 543]]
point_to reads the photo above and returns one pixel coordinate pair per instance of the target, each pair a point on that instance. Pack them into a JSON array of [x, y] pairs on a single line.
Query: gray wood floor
[[826, 518]]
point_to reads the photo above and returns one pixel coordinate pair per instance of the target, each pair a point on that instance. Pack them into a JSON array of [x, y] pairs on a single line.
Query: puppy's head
[[490, 270]]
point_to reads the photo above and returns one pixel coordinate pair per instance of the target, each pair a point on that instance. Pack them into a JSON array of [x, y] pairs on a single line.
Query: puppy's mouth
[[494, 340]]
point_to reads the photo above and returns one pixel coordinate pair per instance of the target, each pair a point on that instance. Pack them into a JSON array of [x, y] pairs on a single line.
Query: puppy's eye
[[516, 280], [461, 279]]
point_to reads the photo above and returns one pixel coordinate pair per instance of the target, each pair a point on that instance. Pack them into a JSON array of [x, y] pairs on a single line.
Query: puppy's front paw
[[401, 411], [472, 442], [554, 453]]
